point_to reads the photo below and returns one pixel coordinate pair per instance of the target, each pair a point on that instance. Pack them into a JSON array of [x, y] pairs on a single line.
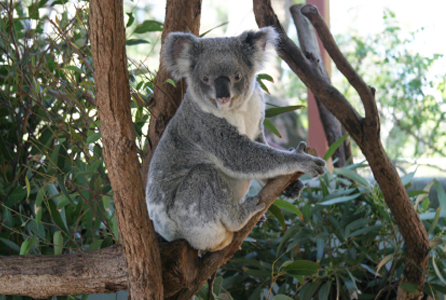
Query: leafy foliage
[[411, 101], [348, 230], [56, 196]]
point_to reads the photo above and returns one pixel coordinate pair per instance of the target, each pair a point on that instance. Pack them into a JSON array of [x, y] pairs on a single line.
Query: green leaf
[[282, 297], [33, 11], [353, 176], [275, 210], [56, 216], [263, 86], [133, 42], [441, 195], [58, 242], [320, 244], [28, 186], [96, 245], [324, 291], [408, 178], [409, 287], [435, 221], [171, 82], [340, 199], [383, 261], [27, 245], [271, 112], [422, 196], [149, 26], [17, 195], [366, 230], [93, 137], [75, 69], [10, 244], [437, 271], [334, 147], [302, 267], [268, 124], [264, 76], [289, 206], [131, 19]]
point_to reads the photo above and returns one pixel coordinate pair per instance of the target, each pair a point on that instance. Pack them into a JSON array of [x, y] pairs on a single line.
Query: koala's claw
[[301, 147], [318, 168], [293, 190]]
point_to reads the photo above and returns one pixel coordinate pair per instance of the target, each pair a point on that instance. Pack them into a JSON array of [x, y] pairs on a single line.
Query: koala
[[214, 145]]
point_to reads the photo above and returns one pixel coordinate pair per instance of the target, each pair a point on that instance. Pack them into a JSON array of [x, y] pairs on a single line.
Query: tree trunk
[[180, 16], [364, 130], [119, 149]]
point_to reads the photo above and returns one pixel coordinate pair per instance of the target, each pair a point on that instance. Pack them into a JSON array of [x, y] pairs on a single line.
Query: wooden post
[[316, 135]]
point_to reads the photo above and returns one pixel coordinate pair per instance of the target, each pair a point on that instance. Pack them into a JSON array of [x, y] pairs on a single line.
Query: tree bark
[[119, 149], [180, 16], [364, 130], [309, 44], [102, 271]]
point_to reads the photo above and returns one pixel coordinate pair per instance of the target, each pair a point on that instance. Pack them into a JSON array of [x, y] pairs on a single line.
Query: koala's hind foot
[[293, 190]]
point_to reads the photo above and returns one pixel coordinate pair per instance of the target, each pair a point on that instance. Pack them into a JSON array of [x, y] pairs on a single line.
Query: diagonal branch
[[366, 134], [308, 71], [367, 93]]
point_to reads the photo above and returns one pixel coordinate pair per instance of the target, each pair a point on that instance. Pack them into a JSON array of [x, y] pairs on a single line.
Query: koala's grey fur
[[214, 145]]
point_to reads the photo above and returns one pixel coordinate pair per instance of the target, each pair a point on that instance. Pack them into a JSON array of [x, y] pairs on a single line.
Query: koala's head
[[219, 71]]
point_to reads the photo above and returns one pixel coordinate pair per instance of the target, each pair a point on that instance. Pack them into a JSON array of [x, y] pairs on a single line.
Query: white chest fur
[[247, 117]]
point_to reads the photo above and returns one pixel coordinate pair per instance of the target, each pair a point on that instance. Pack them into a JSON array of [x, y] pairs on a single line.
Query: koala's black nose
[[222, 87]]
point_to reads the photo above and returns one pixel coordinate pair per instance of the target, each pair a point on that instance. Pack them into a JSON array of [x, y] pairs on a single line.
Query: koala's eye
[[238, 76], [205, 79]]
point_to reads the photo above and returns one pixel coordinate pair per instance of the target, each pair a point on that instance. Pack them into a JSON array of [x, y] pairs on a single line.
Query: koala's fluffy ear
[[259, 46], [178, 53]]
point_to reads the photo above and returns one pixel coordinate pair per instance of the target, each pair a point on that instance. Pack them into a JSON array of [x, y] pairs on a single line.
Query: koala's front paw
[[293, 190], [312, 165]]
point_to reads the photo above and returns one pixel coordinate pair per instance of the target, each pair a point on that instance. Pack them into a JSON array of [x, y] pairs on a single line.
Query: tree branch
[[367, 94], [310, 46], [102, 271], [364, 132]]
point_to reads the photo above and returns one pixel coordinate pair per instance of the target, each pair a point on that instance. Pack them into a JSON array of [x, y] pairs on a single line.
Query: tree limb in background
[[119, 149], [365, 131], [308, 43]]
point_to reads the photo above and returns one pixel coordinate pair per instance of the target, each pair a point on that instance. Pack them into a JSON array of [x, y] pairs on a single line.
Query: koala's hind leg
[[200, 200], [237, 215]]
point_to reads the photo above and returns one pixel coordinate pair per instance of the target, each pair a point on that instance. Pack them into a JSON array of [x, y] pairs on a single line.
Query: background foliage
[[337, 239]]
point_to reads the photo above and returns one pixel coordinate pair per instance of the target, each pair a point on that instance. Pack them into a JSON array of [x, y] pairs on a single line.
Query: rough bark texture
[[180, 16], [365, 131], [43, 276], [309, 44], [118, 138], [102, 271]]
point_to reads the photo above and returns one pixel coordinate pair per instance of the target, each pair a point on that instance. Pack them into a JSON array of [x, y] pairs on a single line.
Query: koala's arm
[[240, 157]]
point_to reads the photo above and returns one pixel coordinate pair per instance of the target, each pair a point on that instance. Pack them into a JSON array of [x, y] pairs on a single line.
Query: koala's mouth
[[223, 100]]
